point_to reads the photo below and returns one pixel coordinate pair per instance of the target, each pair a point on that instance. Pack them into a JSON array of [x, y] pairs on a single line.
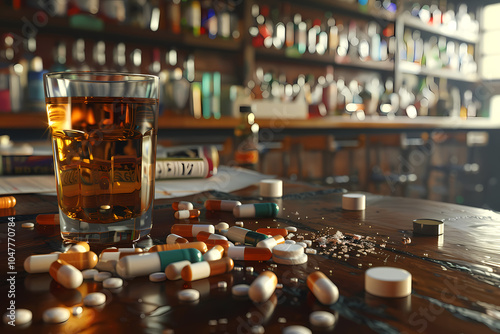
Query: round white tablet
[[288, 250], [157, 277], [353, 201], [94, 299], [19, 316], [28, 225], [99, 277], [388, 282], [56, 315], [271, 188], [428, 226], [322, 319], [290, 241], [291, 261], [296, 330], [89, 273], [240, 290], [112, 283], [188, 295]]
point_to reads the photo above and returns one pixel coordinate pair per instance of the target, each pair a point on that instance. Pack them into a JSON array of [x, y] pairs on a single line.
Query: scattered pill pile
[[196, 251]]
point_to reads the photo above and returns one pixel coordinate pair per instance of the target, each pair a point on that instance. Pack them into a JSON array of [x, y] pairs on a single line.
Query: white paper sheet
[[227, 179]]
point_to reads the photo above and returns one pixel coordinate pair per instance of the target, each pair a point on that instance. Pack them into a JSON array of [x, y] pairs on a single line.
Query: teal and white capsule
[[245, 236], [148, 263], [256, 210]]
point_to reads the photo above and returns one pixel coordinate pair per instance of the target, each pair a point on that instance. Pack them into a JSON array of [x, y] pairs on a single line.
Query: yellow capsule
[[7, 202]]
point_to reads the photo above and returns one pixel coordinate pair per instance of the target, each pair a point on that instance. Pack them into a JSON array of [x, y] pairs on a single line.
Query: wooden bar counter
[[455, 277]]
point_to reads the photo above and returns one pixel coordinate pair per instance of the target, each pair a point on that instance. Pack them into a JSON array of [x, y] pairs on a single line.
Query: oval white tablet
[[240, 290], [112, 283], [322, 319], [288, 250], [291, 228], [157, 277], [27, 225], [353, 202], [20, 316], [388, 282], [94, 299], [221, 226], [99, 277], [89, 273], [56, 315], [188, 295], [296, 330]]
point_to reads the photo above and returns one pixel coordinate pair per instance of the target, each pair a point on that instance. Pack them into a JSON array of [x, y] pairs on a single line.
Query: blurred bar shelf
[[353, 8], [414, 68]]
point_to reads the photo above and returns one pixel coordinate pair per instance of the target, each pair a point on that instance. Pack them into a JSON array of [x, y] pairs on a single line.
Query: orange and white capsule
[[262, 288], [79, 247], [187, 214], [41, 263], [65, 274], [249, 253], [7, 202], [323, 288], [199, 245], [215, 253], [110, 254], [176, 239], [221, 205], [48, 219], [224, 243], [182, 205], [271, 242], [204, 269], [202, 236], [191, 230], [273, 231]]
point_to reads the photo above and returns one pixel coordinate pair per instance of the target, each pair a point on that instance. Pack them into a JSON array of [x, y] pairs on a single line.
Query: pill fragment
[[221, 226], [240, 290], [20, 317], [256, 210], [27, 225], [41, 263], [271, 242], [147, 263], [77, 310], [245, 236], [263, 287], [249, 253], [221, 205], [175, 239], [204, 269], [188, 295], [239, 223], [55, 315], [182, 205], [322, 319], [94, 299], [201, 246], [214, 253], [157, 277], [271, 188], [291, 228], [388, 282], [191, 230], [173, 270], [311, 251], [322, 288], [352, 201], [65, 274], [222, 285], [187, 214], [112, 283], [273, 231], [47, 219]]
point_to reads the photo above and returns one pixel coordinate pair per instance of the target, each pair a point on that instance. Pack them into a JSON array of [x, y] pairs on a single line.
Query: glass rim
[[64, 74]]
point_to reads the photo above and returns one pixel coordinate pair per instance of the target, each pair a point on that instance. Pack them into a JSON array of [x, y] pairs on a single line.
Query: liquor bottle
[[246, 139], [209, 21], [59, 64], [174, 16], [119, 58], [79, 58], [99, 56], [136, 60], [389, 102], [35, 97]]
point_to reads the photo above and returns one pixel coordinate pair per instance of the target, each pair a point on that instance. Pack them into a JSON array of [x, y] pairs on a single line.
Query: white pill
[[292, 242], [188, 295], [291, 228], [184, 205], [308, 243], [94, 299], [303, 244], [56, 315], [112, 283], [322, 319], [18, 316], [99, 277], [89, 273], [77, 310], [28, 225], [157, 277], [173, 270], [311, 251], [353, 202], [291, 261], [388, 282], [221, 226], [222, 285], [288, 250], [239, 223], [271, 188], [296, 330], [240, 290]]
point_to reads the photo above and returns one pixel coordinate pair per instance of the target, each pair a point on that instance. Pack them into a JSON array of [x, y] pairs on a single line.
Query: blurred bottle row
[[368, 95], [280, 27], [213, 18]]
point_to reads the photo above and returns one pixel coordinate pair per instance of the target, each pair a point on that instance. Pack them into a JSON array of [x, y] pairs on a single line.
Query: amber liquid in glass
[[102, 154]]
